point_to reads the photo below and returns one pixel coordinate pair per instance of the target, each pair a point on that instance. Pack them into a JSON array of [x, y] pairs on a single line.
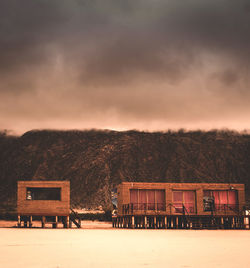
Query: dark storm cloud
[[132, 60], [133, 35]]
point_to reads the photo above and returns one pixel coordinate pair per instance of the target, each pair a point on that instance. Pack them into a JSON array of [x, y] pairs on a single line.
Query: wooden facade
[[181, 205], [46, 200]]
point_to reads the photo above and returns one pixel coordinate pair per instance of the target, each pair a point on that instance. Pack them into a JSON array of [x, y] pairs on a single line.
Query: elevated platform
[[181, 222]]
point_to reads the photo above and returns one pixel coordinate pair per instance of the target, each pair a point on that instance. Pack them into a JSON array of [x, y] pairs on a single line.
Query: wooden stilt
[[56, 222], [133, 222], [18, 221], [246, 223], [30, 221], [67, 225], [43, 221], [233, 222], [145, 222]]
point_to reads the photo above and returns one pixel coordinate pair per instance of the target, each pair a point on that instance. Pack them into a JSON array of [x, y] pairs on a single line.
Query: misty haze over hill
[[95, 161]]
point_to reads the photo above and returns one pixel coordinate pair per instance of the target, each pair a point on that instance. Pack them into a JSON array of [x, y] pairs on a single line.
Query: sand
[[123, 248]]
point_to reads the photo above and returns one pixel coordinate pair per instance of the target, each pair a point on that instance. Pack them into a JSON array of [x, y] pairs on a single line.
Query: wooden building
[[48, 201], [181, 205]]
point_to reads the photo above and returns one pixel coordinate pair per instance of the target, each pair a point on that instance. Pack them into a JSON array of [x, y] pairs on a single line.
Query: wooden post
[[67, 224], [165, 222], [18, 221], [43, 221], [155, 222], [56, 222], [133, 222], [246, 223], [145, 222], [30, 221]]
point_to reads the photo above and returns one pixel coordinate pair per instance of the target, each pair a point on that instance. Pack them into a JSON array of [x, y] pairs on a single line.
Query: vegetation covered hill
[[96, 161]]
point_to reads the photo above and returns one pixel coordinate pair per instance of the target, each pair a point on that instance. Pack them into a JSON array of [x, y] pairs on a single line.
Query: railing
[[130, 208], [157, 207], [224, 208]]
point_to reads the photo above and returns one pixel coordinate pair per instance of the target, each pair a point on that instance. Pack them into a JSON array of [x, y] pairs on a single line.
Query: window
[[147, 199], [220, 200], [38, 193], [184, 201]]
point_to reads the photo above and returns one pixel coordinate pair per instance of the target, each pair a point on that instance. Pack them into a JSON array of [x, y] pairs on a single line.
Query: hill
[[96, 161]]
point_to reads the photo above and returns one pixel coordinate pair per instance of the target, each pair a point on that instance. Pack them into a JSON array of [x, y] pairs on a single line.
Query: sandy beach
[[107, 247]]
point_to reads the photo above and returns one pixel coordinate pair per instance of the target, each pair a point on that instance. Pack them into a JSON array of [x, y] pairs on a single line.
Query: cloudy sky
[[124, 64]]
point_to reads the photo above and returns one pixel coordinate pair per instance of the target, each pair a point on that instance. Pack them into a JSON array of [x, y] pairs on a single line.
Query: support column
[[246, 222], [172, 222], [145, 222], [18, 221], [43, 221], [30, 221], [56, 222], [154, 222], [133, 222], [222, 222], [67, 225], [165, 222]]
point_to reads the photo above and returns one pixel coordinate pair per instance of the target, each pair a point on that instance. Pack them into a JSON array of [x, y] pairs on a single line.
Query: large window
[[184, 201], [220, 200], [146, 199], [38, 193]]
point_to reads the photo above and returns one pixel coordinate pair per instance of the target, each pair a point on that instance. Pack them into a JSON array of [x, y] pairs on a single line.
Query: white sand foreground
[[57, 248]]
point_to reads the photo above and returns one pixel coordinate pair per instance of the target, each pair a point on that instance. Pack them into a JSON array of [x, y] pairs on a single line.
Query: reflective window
[[147, 199], [220, 200], [43, 193], [184, 201]]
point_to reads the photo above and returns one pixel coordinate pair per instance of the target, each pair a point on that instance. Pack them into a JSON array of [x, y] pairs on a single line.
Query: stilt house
[[49, 200], [181, 205]]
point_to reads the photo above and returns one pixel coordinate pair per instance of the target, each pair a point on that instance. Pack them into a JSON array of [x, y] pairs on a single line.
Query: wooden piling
[[30, 221], [133, 222], [43, 221], [18, 221]]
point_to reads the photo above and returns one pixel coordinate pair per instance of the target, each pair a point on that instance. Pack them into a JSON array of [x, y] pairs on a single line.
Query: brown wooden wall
[[123, 191], [43, 207]]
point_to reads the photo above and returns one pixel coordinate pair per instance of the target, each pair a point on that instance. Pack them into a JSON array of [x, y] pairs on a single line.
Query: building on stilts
[[47, 201], [181, 206]]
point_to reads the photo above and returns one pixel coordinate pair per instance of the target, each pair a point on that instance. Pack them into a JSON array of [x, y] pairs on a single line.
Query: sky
[[149, 65]]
